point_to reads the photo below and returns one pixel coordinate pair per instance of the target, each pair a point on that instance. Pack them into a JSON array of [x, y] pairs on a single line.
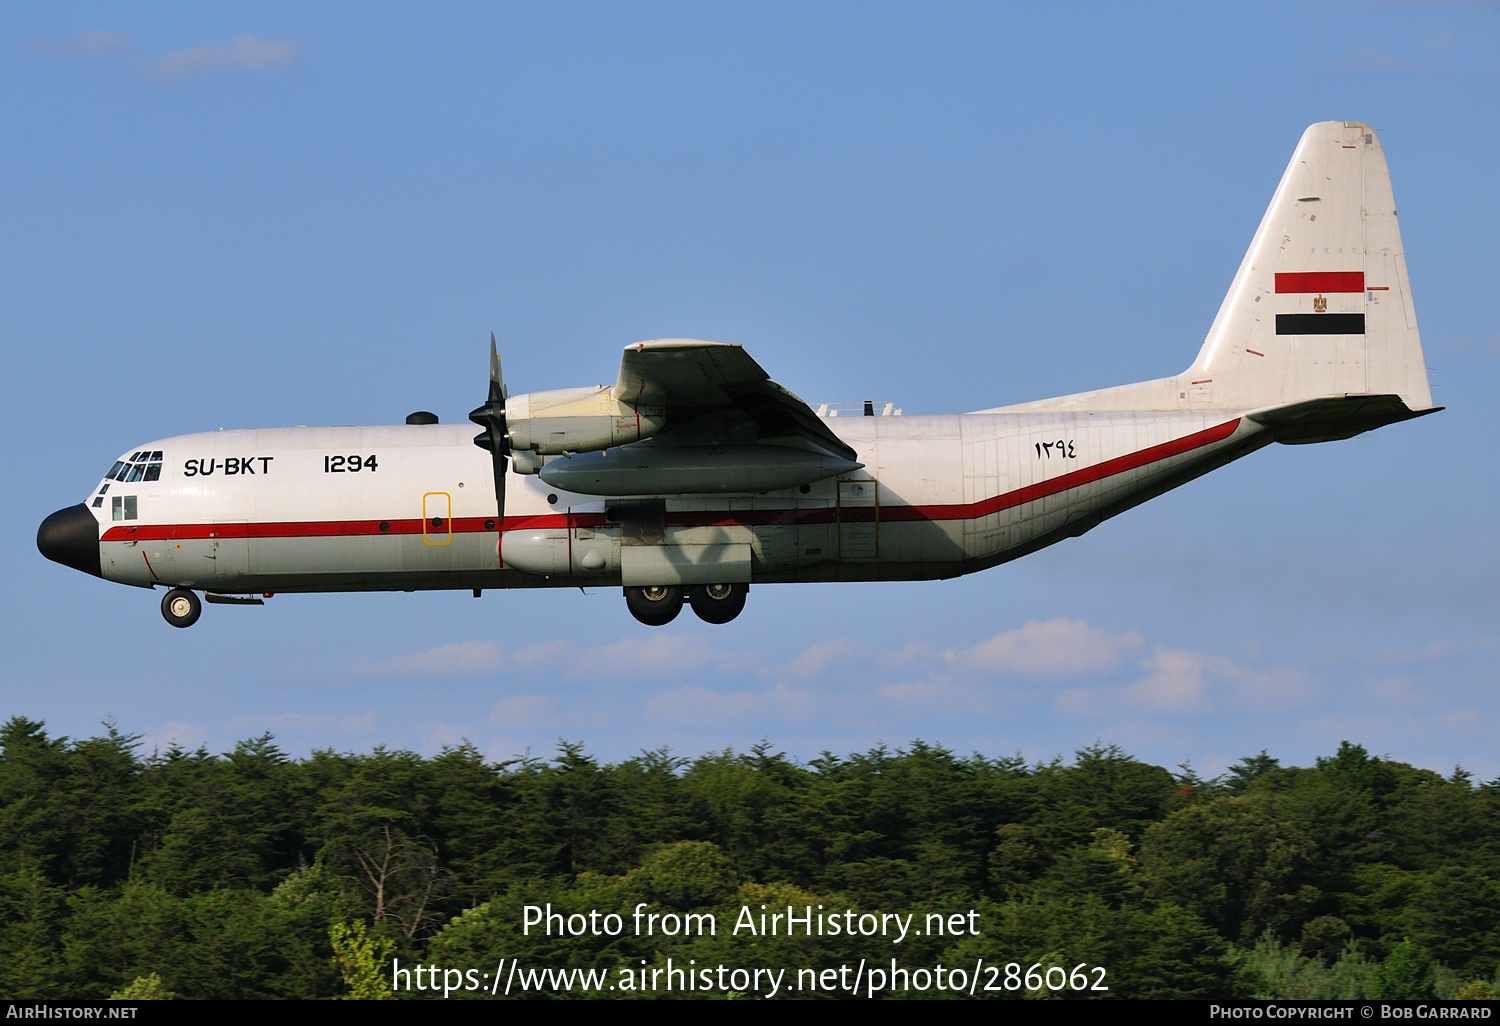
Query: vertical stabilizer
[[1321, 305]]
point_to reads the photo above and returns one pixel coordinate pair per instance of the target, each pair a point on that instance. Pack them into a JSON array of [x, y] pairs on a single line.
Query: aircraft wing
[[690, 378]]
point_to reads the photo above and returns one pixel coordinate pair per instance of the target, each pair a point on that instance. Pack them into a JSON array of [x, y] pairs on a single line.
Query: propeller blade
[[491, 417], [497, 386], [500, 469]]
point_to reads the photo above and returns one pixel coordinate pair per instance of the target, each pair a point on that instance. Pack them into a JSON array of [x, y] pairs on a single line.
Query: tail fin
[[1317, 336], [1321, 305]]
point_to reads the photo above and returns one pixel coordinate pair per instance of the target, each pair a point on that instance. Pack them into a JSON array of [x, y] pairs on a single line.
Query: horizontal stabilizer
[[1334, 417]]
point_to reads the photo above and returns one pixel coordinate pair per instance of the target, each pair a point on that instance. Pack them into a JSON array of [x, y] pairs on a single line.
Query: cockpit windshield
[[141, 466]]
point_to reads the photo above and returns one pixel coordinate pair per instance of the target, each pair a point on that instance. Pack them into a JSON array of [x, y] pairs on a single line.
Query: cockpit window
[[123, 507], [141, 466]]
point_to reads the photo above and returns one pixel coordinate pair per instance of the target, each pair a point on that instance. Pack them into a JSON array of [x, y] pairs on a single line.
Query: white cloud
[[940, 695], [464, 658], [657, 655], [173, 732], [1438, 649], [703, 705], [1397, 691], [1176, 681], [1056, 648], [823, 655], [1363, 58], [246, 53], [523, 710], [661, 655], [1388, 733], [1181, 681], [89, 44], [299, 723]]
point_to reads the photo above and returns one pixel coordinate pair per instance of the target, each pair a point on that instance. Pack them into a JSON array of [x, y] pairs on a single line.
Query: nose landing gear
[[181, 607], [659, 605]]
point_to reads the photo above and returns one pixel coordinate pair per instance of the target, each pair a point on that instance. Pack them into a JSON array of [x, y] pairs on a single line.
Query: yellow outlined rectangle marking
[[440, 509]]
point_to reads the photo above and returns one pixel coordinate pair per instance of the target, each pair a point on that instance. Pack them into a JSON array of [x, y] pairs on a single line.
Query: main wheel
[[181, 607], [655, 606], [718, 603]]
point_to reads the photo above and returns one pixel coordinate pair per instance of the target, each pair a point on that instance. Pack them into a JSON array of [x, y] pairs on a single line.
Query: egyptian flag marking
[[1301, 282], [1321, 281]]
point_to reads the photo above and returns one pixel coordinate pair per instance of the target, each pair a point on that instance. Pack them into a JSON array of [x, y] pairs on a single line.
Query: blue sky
[[312, 215]]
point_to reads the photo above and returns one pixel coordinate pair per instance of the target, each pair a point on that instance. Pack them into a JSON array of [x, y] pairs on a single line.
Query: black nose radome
[[71, 537]]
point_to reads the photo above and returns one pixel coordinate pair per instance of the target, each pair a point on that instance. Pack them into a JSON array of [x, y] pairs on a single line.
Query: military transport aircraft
[[694, 474]]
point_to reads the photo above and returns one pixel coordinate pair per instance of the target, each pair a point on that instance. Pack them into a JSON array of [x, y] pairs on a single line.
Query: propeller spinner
[[494, 437]]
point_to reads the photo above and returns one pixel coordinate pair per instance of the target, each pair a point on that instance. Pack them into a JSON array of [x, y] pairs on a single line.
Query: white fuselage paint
[[1316, 340], [938, 497]]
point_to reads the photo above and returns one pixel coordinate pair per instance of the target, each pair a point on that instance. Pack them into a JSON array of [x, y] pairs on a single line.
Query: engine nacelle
[[577, 420], [693, 469]]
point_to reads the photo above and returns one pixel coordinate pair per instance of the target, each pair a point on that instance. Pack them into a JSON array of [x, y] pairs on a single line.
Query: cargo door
[[859, 519]]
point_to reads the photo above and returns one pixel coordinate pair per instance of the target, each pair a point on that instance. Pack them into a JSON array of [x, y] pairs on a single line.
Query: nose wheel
[[181, 607]]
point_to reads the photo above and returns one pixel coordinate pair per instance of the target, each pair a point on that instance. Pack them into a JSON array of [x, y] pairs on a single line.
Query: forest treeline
[[232, 876]]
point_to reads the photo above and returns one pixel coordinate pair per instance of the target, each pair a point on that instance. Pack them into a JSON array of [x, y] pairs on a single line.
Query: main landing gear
[[659, 605]]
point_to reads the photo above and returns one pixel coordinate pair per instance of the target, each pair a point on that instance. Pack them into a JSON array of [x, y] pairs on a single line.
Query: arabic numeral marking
[[1066, 449], [349, 464], [1035, 980]]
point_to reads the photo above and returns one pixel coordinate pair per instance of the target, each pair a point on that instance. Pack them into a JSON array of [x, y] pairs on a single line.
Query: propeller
[[491, 417]]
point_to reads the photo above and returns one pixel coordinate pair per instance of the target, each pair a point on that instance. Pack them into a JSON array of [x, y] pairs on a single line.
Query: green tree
[[361, 960], [144, 988], [1406, 973]]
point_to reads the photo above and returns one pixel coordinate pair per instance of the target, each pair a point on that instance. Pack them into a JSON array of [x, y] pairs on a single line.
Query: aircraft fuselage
[[696, 475], [412, 507]]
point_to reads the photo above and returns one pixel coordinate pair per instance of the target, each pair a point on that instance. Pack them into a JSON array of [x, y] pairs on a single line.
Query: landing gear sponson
[[659, 605]]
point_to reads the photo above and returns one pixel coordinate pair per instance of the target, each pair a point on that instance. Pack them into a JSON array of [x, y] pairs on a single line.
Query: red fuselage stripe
[[705, 518]]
